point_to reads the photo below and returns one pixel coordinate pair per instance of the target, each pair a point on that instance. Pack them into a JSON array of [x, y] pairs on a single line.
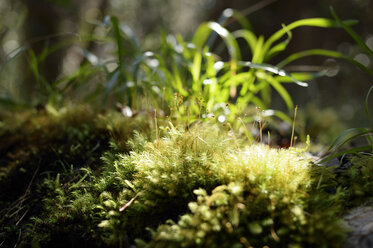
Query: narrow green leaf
[[279, 114], [342, 153], [203, 32], [367, 103], [75, 79], [242, 20], [176, 81], [323, 52], [112, 81], [281, 46], [196, 71], [369, 138], [141, 60], [265, 92], [118, 39], [313, 22], [351, 134], [345, 133], [352, 33], [248, 84], [273, 69], [283, 116], [50, 49], [226, 14], [258, 55], [249, 37], [34, 65], [127, 30], [237, 79], [258, 102], [300, 76], [279, 88], [12, 56], [306, 53], [200, 36]]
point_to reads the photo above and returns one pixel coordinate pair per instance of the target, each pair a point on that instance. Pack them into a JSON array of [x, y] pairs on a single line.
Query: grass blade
[[367, 102], [300, 76], [340, 154], [279, 88], [258, 51], [352, 33], [203, 32], [281, 46], [112, 81], [273, 69], [323, 52], [242, 20], [177, 81], [312, 22], [196, 71], [12, 56], [118, 39], [131, 35], [227, 14], [351, 134], [249, 37], [283, 116]]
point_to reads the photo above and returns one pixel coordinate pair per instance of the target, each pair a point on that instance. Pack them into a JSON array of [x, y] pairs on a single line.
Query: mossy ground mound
[[39, 145], [82, 181]]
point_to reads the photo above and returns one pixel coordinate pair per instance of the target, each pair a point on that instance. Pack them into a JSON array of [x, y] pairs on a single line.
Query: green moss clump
[[201, 187], [39, 147], [348, 185], [245, 195], [262, 199], [360, 178], [356, 181], [161, 175]]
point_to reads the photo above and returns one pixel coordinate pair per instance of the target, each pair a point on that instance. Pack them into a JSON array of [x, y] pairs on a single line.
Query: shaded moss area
[[77, 178], [38, 146]]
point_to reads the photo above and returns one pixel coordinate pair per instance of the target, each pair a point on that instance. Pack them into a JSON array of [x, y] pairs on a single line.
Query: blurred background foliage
[[65, 34]]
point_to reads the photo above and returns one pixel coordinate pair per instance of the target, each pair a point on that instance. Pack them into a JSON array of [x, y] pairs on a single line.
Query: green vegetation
[[59, 144], [175, 165], [191, 73], [219, 189], [261, 199]]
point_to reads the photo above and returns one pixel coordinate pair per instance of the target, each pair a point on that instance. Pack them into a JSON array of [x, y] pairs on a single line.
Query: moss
[[350, 186], [357, 180], [262, 199], [244, 195], [200, 187], [46, 145]]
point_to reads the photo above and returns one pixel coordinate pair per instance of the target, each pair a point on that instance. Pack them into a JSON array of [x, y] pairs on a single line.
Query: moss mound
[[222, 191], [262, 199], [50, 143], [91, 180]]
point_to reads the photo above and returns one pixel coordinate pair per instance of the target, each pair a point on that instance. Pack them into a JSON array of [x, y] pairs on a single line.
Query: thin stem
[[292, 131]]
